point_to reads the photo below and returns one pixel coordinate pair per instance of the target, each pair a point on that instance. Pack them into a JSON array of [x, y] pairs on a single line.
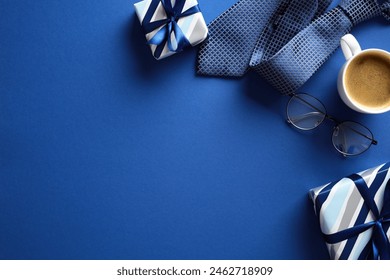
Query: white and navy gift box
[[170, 26], [354, 214]]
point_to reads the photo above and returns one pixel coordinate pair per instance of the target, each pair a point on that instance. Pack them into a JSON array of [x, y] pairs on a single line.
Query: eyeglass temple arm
[[373, 141]]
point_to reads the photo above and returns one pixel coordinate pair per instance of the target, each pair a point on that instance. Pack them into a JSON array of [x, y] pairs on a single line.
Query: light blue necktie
[[285, 41]]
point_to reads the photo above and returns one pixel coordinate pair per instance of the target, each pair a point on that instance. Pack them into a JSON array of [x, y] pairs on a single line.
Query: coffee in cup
[[364, 80]]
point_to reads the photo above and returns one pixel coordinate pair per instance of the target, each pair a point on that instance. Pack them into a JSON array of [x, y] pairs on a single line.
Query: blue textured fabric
[[286, 42], [232, 37]]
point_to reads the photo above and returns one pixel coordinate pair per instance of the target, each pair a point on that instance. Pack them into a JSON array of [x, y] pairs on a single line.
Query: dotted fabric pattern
[[293, 64], [286, 23], [232, 37], [359, 11], [289, 46], [288, 66]]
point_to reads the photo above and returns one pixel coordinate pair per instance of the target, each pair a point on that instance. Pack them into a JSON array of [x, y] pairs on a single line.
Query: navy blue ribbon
[[169, 25], [379, 246]]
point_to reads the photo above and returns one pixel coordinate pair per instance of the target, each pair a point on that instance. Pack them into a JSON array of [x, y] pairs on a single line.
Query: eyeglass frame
[[329, 117]]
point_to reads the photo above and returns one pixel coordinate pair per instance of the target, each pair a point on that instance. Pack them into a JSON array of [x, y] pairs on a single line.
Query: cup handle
[[349, 46]]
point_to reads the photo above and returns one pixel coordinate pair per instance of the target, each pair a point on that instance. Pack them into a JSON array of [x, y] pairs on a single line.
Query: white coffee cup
[[364, 80]]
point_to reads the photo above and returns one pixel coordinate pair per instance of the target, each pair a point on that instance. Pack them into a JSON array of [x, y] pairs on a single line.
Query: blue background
[[106, 153]]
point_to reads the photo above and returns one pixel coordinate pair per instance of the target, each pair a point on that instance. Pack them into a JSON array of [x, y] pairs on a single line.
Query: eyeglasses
[[306, 112]]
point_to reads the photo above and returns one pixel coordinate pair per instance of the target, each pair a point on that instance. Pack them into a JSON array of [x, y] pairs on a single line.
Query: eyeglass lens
[[351, 138], [305, 112]]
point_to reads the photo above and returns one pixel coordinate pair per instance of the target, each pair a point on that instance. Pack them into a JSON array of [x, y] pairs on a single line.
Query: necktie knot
[[361, 10]]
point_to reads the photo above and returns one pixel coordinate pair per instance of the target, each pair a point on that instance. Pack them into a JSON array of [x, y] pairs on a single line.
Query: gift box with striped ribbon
[[354, 214], [170, 26]]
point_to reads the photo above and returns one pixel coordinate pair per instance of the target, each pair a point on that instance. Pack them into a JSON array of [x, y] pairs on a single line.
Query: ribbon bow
[[379, 246], [169, 28]]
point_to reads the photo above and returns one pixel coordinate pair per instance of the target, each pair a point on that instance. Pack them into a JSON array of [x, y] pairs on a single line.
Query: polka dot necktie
[[285, 41]]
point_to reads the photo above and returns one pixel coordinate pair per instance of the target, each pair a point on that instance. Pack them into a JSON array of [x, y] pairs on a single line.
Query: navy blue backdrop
[[106, 153]]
